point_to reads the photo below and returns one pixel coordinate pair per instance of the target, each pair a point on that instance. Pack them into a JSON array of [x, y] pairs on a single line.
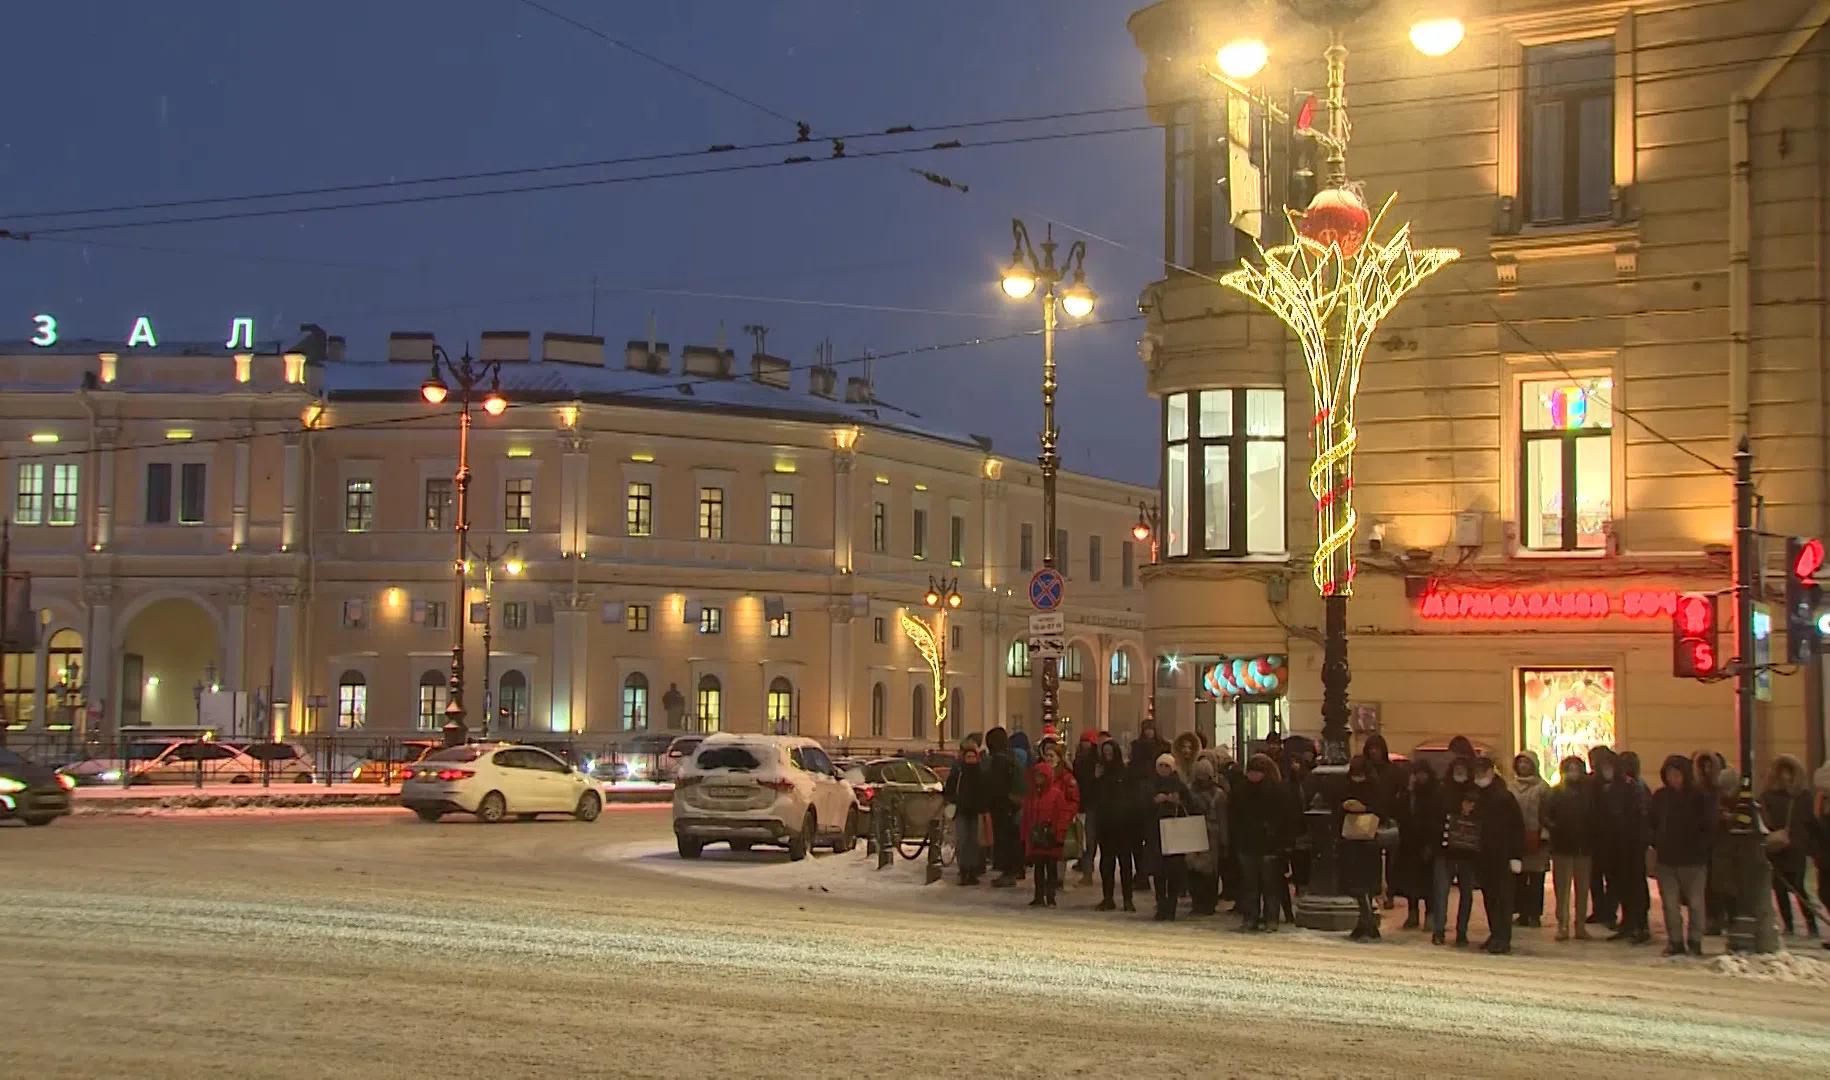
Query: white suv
[[762, 789]]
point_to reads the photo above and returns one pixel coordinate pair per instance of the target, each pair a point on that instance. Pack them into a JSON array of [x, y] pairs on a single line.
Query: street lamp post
[[467, 374], [512, 566], [1020, 279], [931, 642], [1148, 527]]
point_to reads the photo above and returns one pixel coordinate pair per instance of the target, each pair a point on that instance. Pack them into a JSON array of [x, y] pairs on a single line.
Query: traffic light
[[1695, 637], [1804, 558]]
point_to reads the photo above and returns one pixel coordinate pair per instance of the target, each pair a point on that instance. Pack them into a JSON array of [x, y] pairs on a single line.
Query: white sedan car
[[494, 780]]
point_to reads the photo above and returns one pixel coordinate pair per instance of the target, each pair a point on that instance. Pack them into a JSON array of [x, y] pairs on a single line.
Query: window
[[1568, 131], [956, 714], [63, 495], [1224, 472], [352, 700], [28, 508], [880, 527], [1127, 563], [711, 513], [781, 706], [355, 614], [1093, 558], [711, 703], [1026, 547], [158, 493], [358, 505], [1062, 559], [511, 699], [1565, 712], [1121, 668], [635, 618], [438, 504], [518, 505], [635, 702], [435, 615], [782, 626], [781, 517], [711, 620], [514, 615], [20, 700], [1566, 440], [879, 632], [918, 542], [879, 722], [433, 693], [918, 713], [64, 699], [1072, 664], [1016, 661], [956, 636], [956, 540], [641, 508], [1201, 167], [191, 479]]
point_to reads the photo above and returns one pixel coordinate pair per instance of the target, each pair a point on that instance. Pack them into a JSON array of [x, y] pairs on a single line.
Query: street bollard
[[934, 870], [880, 812]]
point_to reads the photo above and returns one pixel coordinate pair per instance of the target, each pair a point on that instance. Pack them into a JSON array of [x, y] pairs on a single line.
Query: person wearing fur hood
[[1529, 788], [1785, 808]]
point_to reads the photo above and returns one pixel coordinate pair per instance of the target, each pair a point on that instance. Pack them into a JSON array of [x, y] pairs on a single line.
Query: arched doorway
[[65, 704], [511, 699], [170, 653]]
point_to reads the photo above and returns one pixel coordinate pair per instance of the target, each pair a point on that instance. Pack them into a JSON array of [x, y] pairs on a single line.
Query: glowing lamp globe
[[1337, 218]]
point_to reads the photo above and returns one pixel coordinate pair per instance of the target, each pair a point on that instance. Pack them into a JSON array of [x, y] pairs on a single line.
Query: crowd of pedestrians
[[1409, 833]]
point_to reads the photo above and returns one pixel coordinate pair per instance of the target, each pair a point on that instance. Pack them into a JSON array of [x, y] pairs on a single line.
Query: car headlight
[[8, 785], [112, 776]]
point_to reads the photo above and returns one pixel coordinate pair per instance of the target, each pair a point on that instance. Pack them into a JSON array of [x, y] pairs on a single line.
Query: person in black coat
[[1604, 894], [1003, 802], [1568, 815], [1627, 806], [1682, 823], [1390, 780], [1360, 866], [1145, 749], [1113, 798], [1502, 851], [1261, 823], [965, 792], [1418, 811], [1457, 860]]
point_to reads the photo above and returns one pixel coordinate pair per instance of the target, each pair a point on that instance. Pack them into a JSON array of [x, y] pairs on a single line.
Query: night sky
[[109, 103]]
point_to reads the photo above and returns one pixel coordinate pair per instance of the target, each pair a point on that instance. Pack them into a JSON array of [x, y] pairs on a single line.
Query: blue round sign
[[1045, 589]]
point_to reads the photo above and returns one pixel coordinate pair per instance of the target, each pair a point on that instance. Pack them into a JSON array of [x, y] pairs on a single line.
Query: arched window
[[635, 702], [956, 714], [879, 706], [781, 706], [433, 693], [352, 700], [1016, 661], [1071, 663], [711, 703], [511, 700], [64, 670], [918, 713], [1121, 668]]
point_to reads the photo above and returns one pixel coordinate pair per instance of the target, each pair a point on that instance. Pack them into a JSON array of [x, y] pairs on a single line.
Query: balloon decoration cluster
[[1239, 675]]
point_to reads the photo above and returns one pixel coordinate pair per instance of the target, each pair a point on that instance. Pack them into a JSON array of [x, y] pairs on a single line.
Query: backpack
[[1463, 836]]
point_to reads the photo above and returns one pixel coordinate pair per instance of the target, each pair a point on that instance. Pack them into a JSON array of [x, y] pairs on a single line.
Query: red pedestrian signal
[[1694, 637], [1804, 558], [1809, 560]]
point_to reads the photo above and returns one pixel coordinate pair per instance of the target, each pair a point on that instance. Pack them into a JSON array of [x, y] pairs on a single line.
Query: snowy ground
[[366, 944]]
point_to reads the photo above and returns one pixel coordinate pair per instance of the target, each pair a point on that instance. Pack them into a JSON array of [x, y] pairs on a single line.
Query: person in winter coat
[[1169, 797], [1706, 767], [1261, 824], [1185, 749], [1045, 819], [1145, 749], [1604, 896], [1821, 831], [1114, 801], [1629, 804], [1086, 759], [1207, 797], [964, 790], [1003, 800], [1530, 790], [1420, 825], [1458, 857], [1683, 820], [1502, 852], [1567, 817], [1785, 807], [1390, 781], [1725, 905], [1359, 858], [1019, 745]]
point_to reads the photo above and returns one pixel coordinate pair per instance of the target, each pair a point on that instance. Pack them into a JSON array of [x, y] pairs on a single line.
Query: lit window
[[711, 703], [1568, 127], [635, 618], [1071, 664], [781, 706], [635, 702], [711, 620], [641, 508], [518, 505], [352, 700], [358, 505], [1567, 448], [1121, 668], [782, 627], [432, 697], [1016, 661], [1565, 712], [438, 504], [711, 513], [1224, 472], [63, 495], [781, 517], [28, 504]]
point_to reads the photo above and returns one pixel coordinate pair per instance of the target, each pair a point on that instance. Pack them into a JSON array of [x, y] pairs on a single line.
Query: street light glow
[[1437, 37], [495, 404], [1077, 299], [514, 566], [1246, 57], [1019, 282], [434, 391]]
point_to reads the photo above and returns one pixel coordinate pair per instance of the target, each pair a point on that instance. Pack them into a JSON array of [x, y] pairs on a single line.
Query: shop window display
[[1565, 713]]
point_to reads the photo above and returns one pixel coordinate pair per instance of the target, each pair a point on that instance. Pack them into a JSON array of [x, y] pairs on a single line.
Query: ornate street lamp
[[931, 642], [468, 375], [1077, 299]]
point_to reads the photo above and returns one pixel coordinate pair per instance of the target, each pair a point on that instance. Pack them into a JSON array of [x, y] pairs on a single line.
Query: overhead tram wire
[[672, 386]]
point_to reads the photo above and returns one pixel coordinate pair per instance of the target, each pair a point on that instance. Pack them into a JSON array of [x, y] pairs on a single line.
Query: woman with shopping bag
[[1176, 836], [1362, 807]]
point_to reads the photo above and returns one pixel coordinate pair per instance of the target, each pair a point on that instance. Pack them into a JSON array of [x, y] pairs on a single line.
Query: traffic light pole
[[1753, 928]]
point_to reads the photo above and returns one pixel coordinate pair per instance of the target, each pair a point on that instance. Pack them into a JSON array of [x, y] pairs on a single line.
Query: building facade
[[663, 544], [1546, 427]]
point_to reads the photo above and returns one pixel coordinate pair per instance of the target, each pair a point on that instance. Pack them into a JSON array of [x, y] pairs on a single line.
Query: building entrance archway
[[170, 652]]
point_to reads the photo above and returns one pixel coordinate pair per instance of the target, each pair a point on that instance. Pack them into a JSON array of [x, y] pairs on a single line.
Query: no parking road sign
[[1045, 589]]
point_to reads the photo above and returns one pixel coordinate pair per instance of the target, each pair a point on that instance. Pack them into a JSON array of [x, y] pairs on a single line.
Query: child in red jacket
[[1046, 816]]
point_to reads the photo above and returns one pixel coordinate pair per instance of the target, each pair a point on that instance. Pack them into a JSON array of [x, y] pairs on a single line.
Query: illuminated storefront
[[1565, 712]]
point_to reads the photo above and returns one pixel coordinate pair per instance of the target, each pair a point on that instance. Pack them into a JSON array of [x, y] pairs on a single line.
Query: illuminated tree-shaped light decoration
[[928, 646], [1332, 287]]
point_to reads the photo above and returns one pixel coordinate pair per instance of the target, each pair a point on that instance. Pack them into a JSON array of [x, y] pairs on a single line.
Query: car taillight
[[782, 784], [408, 774], [866, 794], [455, 774], [68, 784]]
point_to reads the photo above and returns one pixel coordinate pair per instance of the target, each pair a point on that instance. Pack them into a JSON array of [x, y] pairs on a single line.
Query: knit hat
[[1165, 759]]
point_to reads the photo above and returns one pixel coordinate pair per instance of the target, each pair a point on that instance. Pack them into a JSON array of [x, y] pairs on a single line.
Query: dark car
[[34, 794], [872, 780]]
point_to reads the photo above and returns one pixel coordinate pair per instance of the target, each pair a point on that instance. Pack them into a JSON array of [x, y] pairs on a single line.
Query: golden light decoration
[[927, 643], [1333, 301]]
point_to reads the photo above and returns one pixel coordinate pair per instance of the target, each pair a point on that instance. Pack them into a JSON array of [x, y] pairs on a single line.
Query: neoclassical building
[[1546, 427], [267, 536]]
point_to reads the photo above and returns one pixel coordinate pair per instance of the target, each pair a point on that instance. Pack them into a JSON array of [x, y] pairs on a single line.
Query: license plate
[[729, 792]]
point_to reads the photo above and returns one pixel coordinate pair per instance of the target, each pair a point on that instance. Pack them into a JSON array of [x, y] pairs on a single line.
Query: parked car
[[32, 793], [494, 780], [169, 761], [390, 766], [606, 770], [762, 789], [875, 779], [278, 762], [678, 751]]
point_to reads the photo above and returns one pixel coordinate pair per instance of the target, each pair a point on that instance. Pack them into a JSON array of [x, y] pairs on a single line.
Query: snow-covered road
[[369, 945]]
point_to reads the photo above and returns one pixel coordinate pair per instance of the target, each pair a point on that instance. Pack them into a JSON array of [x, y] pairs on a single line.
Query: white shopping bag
[[1183, 835]]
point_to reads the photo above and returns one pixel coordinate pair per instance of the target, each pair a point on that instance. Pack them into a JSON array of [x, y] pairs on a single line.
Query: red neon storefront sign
[[1575, 604]]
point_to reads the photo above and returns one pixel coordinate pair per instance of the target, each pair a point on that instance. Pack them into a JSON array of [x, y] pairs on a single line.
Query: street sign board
[[1763, 652], [1047, 622], [1044, 648], [1045, 589]]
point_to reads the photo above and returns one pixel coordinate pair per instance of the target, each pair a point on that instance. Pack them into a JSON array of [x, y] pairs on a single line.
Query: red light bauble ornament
[[1337, 218]]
